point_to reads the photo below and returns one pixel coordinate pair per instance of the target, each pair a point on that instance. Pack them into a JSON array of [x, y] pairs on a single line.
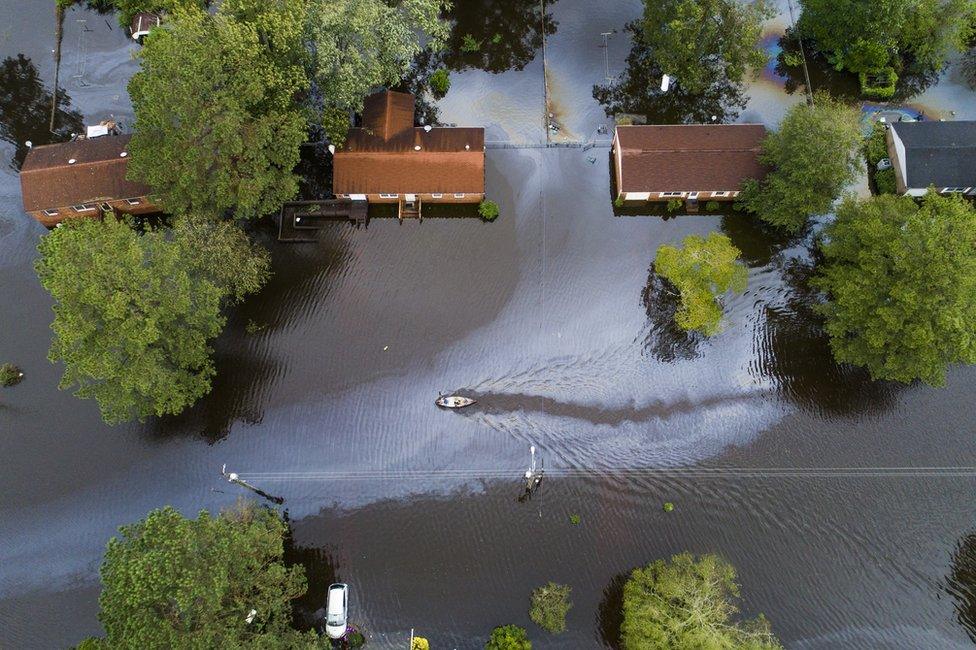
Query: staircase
[[409, 209]]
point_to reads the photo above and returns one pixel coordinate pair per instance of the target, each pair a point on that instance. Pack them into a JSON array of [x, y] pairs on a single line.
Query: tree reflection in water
[[961, 583], [25, 109], [321, 570], [495, 35], [793, 351], [639, 91], [840, 83], [666, 341]]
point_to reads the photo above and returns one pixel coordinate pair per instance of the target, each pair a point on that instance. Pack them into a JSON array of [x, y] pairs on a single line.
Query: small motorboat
[[454, 401]]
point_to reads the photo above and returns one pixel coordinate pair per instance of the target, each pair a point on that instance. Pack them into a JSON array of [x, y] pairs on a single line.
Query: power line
[[633, 472]]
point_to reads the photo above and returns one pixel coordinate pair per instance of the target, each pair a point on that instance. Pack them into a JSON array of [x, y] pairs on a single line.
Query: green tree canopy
[[217, 123], [901, 284], [508, 637], [173, 582], [695, 39], [814, 155], [550, 604], [686, 603], [867, 35], [362, 44], [702, 269], [134, 314]]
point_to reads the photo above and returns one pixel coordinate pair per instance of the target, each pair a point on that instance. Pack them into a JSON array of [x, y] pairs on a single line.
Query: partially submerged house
[[81, 178], [690, 163], [933, 154], [389, 160], [142, 22]]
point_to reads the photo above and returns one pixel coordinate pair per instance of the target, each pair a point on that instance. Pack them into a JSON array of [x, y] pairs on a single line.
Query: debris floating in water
[[668, 506]]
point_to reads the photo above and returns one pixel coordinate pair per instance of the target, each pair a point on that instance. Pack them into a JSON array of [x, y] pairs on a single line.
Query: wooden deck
[[299, 219]]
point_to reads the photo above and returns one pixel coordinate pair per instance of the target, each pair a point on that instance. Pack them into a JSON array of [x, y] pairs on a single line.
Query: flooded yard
[[552, 318]]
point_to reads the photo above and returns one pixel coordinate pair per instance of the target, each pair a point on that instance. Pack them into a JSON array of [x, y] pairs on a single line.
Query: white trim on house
[[901, 158], [459, 195], [83, 207], [672, 194], [51, 212], [133, 201], [436, 195], [955, 190], [356, 197], [637, 196], [720, 193], [389, 196]]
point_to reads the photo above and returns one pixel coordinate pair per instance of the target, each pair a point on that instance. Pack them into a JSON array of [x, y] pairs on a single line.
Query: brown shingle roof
[[388, 113], [47, 180], [683, 158], [449, 159]]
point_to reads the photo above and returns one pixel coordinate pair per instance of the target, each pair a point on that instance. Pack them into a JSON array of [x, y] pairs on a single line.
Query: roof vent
[[28, 144], [427, 128], [71, 161], [467, 147], [123, 154], [416, 147]]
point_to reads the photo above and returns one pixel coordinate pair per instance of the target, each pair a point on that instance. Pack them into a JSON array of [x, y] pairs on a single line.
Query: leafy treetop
[[695, 39], [508, 637], [686, 603], [173, 582], [901, 285], [217, 123], [869, 35], [702, 270], [362, 44], [814, 155], [134, 314]]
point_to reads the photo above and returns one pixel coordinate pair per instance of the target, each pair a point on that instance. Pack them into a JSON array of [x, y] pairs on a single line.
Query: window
[[388, 196], [85, 207], [51, 213], [960, 190], [459, 196], [720, 193], [437, 195], [133, 201]]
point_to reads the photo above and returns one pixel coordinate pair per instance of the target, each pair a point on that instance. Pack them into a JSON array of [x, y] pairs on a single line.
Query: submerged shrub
[[674, 205], [488, 210], [10, 374], [508, 637], [711, 206], [440, 82]]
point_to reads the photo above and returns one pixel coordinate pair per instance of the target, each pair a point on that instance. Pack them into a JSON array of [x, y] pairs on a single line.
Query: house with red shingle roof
[[81, 178], [389, 160], [686, 162]]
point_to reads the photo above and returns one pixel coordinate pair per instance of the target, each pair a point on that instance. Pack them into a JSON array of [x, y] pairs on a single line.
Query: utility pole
[[234, 478], [606, 55], [803, 55]]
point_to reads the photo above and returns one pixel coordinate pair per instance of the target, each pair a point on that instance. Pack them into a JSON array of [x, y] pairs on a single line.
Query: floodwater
[[552, 318]]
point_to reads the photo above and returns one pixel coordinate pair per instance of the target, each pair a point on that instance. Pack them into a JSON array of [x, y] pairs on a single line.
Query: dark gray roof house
[[939, 154]]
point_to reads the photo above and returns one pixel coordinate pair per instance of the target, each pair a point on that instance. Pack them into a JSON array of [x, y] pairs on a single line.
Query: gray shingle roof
[[942, 154]]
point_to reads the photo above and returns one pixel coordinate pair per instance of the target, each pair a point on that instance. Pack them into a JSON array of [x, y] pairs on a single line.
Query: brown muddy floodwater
[[552, 317]]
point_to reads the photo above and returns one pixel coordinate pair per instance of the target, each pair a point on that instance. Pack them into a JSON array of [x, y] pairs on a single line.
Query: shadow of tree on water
[[495, 35], [25, 109], [792, 350], [961, 583], [321, 570], [638, 91], [610, 612], [665, 341], [302, 275]]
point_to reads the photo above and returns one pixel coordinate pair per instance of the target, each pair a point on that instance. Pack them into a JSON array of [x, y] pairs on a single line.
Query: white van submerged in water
[[336, 610]]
